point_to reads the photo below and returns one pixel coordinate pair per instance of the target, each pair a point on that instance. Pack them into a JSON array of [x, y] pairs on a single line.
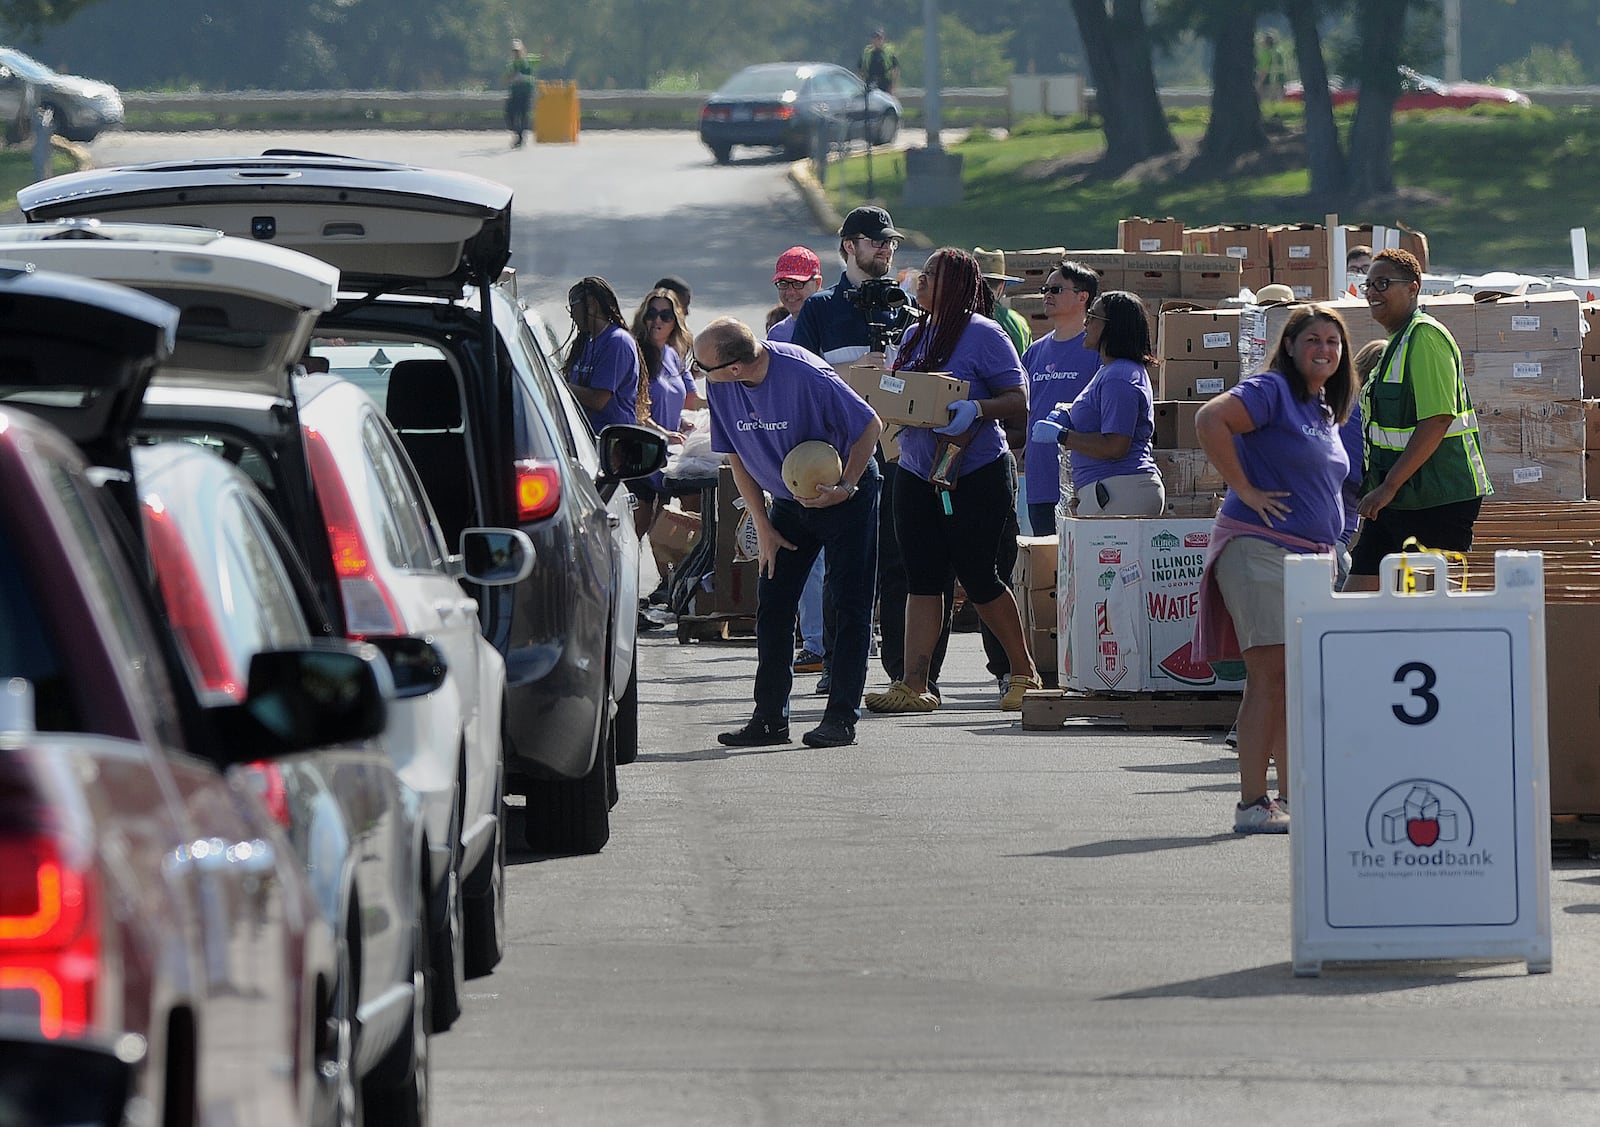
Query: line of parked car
[[307, 558]]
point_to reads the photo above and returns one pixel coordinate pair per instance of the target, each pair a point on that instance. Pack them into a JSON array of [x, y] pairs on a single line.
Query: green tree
[[1118, 43], [965, 57], [29, 17]]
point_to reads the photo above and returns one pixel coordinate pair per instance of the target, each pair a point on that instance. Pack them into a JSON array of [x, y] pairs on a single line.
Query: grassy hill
[[1492, 189]]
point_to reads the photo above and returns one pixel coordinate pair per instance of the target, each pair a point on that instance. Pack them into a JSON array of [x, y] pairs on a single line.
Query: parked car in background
[[151, 904], [411, 245], [785, 105], [1422, 92], [81, 108]]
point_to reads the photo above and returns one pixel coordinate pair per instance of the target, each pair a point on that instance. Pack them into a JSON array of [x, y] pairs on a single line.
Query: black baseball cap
[[868, 222]]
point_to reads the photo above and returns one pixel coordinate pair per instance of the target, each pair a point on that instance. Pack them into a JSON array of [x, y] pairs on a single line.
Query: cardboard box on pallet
[[915, 399], [1570, 629], [1196, 379], [1108, 264], [1504, 378], [1534, 431], [1530, 323], [1189, 332], [1030, 307], [1033, 581], [1208, 277], [1552, 476], [733, 590], [1033, 266], [1154, 277], [1248, 243], [1175, 424], [1139, 235], [1129, 591], [1188, 473]]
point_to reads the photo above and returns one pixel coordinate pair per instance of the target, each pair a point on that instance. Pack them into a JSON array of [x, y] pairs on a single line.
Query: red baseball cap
[[797, 264]]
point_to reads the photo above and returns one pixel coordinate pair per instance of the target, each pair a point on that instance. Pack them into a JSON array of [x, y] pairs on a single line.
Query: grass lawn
[[16, 171], [1492, 190]]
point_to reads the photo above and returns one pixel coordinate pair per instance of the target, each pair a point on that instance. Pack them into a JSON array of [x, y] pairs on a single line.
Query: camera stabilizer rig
[[887, 310]]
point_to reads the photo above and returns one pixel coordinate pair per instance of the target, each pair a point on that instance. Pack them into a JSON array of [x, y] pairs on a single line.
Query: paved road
[[954, 922]]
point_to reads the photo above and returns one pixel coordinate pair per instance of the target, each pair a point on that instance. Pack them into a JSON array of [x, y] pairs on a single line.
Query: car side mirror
[[303, 699], [496, 557], [628, 452], [51, 1081], [415, 665]]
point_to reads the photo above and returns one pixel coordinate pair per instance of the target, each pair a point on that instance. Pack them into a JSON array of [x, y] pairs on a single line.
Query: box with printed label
[[1494, 378], [1129, 592], [1554, 476], [1154, 277], [916, 399], [1299, 246], [1196, 379], [1248, 243], [1188, 333], [1033, 266], [1532, 430], [1530, 323], [1142, 236], [1107, 264], [1208, 277], [1175, 425], [1308, 285]]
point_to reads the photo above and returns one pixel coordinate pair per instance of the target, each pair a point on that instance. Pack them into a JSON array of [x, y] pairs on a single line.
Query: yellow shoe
[[1017, 686], [898, 697]]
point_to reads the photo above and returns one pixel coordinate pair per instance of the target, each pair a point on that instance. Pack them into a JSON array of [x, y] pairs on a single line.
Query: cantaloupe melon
[[810, 466]]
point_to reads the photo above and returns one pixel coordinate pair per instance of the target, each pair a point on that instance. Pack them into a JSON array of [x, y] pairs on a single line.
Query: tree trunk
[[1381, 24], [1324, 158], [1119, 50], [1235, 126]]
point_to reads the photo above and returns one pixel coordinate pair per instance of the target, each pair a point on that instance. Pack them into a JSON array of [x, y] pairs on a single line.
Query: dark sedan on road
[[784, 105]]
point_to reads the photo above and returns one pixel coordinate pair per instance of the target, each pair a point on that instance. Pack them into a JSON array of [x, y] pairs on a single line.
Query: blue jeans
[[849, 533], [811, 608]]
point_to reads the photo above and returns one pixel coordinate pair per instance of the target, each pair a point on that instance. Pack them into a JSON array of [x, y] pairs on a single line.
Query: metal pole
[[932, 119], [866, 134], [1452, 40]]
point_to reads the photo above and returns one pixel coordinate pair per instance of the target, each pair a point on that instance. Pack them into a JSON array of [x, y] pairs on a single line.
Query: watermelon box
[[1129, 592]]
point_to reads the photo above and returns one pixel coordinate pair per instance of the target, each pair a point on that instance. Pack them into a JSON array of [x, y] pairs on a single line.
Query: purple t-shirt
[[668, 389], [783, 331], [610, 361], [1057, 371], [1295, 447], [802, 398], [988, 361], [1118, 400], [1350, 434]]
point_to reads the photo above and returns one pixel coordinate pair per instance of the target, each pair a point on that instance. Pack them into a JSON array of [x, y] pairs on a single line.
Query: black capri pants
[[965, 543]]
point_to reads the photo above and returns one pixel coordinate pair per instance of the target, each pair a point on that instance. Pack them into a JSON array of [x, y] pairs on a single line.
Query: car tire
[[572, 816], [485, 896], [627, 731], [337, 1102], [888, 126], [398, 1092], [797, 148], [722, 154], [447, 940]]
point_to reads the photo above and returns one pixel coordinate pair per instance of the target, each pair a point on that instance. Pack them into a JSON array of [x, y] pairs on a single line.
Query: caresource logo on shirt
[[1050, 373], [757, 424], [1323, 432]]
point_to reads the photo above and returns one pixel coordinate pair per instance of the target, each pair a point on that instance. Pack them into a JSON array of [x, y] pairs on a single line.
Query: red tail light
[[369, 608], [266, 780], [188, 609], [773, 113], [538, 489], [49, 938], [714, 113]]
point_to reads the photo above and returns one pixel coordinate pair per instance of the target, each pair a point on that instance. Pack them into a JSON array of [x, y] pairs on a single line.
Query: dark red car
[[1424, 92]]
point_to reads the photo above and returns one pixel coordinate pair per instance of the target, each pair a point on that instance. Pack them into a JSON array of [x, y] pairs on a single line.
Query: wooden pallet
[[1045, 710], [1575, 836], [716, 628]]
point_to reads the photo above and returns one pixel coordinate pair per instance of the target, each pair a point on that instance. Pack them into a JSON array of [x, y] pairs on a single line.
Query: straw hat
[[1276, 293], [992, 264]]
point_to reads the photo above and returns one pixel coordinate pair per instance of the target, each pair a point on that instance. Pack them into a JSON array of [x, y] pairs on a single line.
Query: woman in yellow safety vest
[[1425, 475]]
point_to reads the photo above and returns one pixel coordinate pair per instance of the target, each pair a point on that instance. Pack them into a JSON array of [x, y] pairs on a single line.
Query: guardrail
[[600, 109]]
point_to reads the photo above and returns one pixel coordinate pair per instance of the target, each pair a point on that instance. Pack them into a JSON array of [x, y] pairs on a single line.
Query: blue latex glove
[[963, 413], [1046, 431]]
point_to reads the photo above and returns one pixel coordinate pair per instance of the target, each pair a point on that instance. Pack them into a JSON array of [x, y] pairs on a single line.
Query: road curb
[[827, 216]]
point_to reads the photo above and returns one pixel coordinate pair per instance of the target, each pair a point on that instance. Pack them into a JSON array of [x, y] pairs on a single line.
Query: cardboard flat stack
[[1033, 582]]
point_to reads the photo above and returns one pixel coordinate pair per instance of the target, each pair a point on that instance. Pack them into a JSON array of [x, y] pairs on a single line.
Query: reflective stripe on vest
[[1396, 438]]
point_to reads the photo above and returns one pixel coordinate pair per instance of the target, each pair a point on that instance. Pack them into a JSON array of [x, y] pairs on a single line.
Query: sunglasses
[[791, 284], [1059, 289], [660, 315], [1381, 285], [703, 369], [1093, 316]]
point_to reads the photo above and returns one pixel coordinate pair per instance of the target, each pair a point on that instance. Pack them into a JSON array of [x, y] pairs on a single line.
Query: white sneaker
[[1263, 816], [1232, 738]]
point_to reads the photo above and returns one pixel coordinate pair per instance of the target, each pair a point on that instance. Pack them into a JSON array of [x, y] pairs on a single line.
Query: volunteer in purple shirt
[[1275, 440], [767, 398], [604, 368], [953, 494], [663, 340], [1112, 423], [1059, 366]]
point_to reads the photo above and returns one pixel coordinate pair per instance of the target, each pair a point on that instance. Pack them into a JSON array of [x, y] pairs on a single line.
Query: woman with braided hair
[[953, 494], [604, 367]]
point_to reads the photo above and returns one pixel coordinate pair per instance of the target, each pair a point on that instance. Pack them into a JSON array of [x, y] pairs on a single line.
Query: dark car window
[[758, 82], [407, 536], [27, 650]]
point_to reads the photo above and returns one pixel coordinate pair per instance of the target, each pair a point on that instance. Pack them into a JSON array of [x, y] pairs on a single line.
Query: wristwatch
[[854, 489]]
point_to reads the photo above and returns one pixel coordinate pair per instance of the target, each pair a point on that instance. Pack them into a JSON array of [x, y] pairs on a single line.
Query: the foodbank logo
[[1164, 541], [1425, 823]]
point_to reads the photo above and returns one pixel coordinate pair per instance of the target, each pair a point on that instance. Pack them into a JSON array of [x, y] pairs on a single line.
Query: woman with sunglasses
[[1425, 473], [954, 494], [604, 367], [663, 340], [1110, 428], [1059, 366]]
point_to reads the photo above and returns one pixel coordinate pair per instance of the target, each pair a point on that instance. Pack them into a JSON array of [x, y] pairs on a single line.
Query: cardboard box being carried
[[916, 399], [1129, 592], [1141, 236]]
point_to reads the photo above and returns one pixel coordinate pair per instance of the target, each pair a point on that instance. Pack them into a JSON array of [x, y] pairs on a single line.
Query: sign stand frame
[[1418, 735]]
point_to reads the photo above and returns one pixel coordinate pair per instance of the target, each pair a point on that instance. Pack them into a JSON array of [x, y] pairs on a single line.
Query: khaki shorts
[[1250, 574]]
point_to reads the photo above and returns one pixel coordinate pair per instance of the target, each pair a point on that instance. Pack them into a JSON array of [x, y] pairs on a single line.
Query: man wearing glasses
[[1059, 365], [797, 277], [766, 399]]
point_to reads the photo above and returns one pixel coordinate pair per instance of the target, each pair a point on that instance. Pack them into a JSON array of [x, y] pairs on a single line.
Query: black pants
[[892, 592]]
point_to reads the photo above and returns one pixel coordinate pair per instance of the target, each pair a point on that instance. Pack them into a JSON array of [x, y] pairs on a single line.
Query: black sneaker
[[830, 733], [757, 733], [825, 683]]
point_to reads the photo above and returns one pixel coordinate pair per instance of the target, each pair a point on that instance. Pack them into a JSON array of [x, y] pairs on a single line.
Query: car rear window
[[26, 647], [761, 82]]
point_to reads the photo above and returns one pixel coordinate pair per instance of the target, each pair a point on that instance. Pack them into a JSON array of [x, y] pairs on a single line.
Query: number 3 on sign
[[1421, 693]]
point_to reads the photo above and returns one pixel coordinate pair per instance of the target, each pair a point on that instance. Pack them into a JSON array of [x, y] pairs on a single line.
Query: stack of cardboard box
[[1248, 244], [1033, 582], [1300, 259]]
